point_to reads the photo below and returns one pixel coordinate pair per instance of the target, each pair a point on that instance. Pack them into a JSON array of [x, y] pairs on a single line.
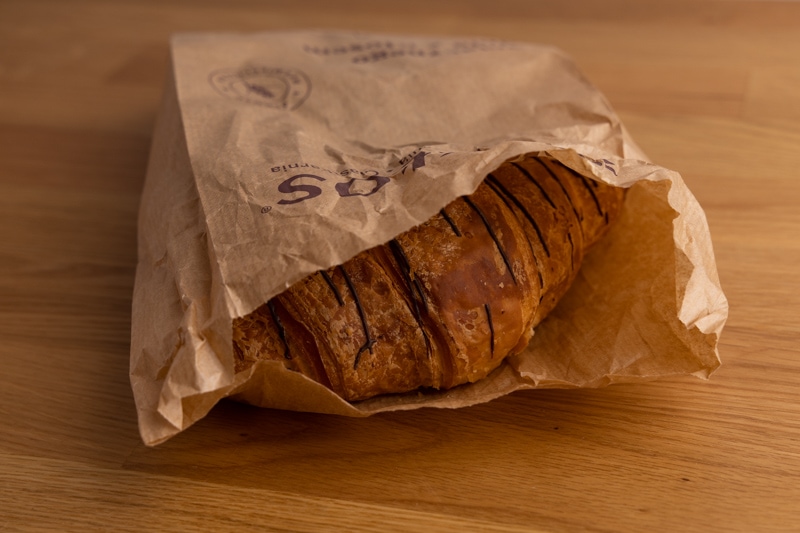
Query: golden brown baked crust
[[444, 303]]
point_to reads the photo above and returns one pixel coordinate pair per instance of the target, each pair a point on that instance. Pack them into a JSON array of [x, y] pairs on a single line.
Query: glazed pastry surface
[[444, 303]]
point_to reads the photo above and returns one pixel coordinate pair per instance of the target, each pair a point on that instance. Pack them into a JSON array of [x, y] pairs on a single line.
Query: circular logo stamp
[[281, 88]]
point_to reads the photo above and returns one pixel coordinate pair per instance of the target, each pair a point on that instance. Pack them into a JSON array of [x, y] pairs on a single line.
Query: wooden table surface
[[708, 88]]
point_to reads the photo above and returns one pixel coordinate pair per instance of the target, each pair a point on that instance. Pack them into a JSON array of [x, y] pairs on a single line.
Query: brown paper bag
[[279, 154]]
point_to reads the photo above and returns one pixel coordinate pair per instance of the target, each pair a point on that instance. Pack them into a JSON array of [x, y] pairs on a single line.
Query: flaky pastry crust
[[444, 303]]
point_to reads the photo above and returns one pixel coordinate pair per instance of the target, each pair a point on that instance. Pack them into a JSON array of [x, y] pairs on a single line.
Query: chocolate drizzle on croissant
[[450, 221], [329, 281], [492, 235], [414, 288], [444, 303], [369, 342], [281, 330]]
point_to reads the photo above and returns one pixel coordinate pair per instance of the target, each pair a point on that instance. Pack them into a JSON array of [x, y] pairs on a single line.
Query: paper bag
[[279, 154]]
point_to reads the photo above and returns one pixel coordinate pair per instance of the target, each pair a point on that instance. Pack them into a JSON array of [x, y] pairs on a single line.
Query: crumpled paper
[[279, 154]]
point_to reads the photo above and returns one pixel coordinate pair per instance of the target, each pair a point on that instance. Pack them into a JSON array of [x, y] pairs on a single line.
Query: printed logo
[[372, 51], [281, 88], [306, 183], [609, 165]]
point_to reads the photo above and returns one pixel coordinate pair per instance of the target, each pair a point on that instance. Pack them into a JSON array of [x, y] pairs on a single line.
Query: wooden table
[[708, 88]]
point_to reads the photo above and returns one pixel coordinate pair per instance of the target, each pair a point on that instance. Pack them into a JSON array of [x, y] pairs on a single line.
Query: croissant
[[445, 302]]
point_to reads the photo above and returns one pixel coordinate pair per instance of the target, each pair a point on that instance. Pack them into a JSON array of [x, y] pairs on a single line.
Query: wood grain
[[708, 88]]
